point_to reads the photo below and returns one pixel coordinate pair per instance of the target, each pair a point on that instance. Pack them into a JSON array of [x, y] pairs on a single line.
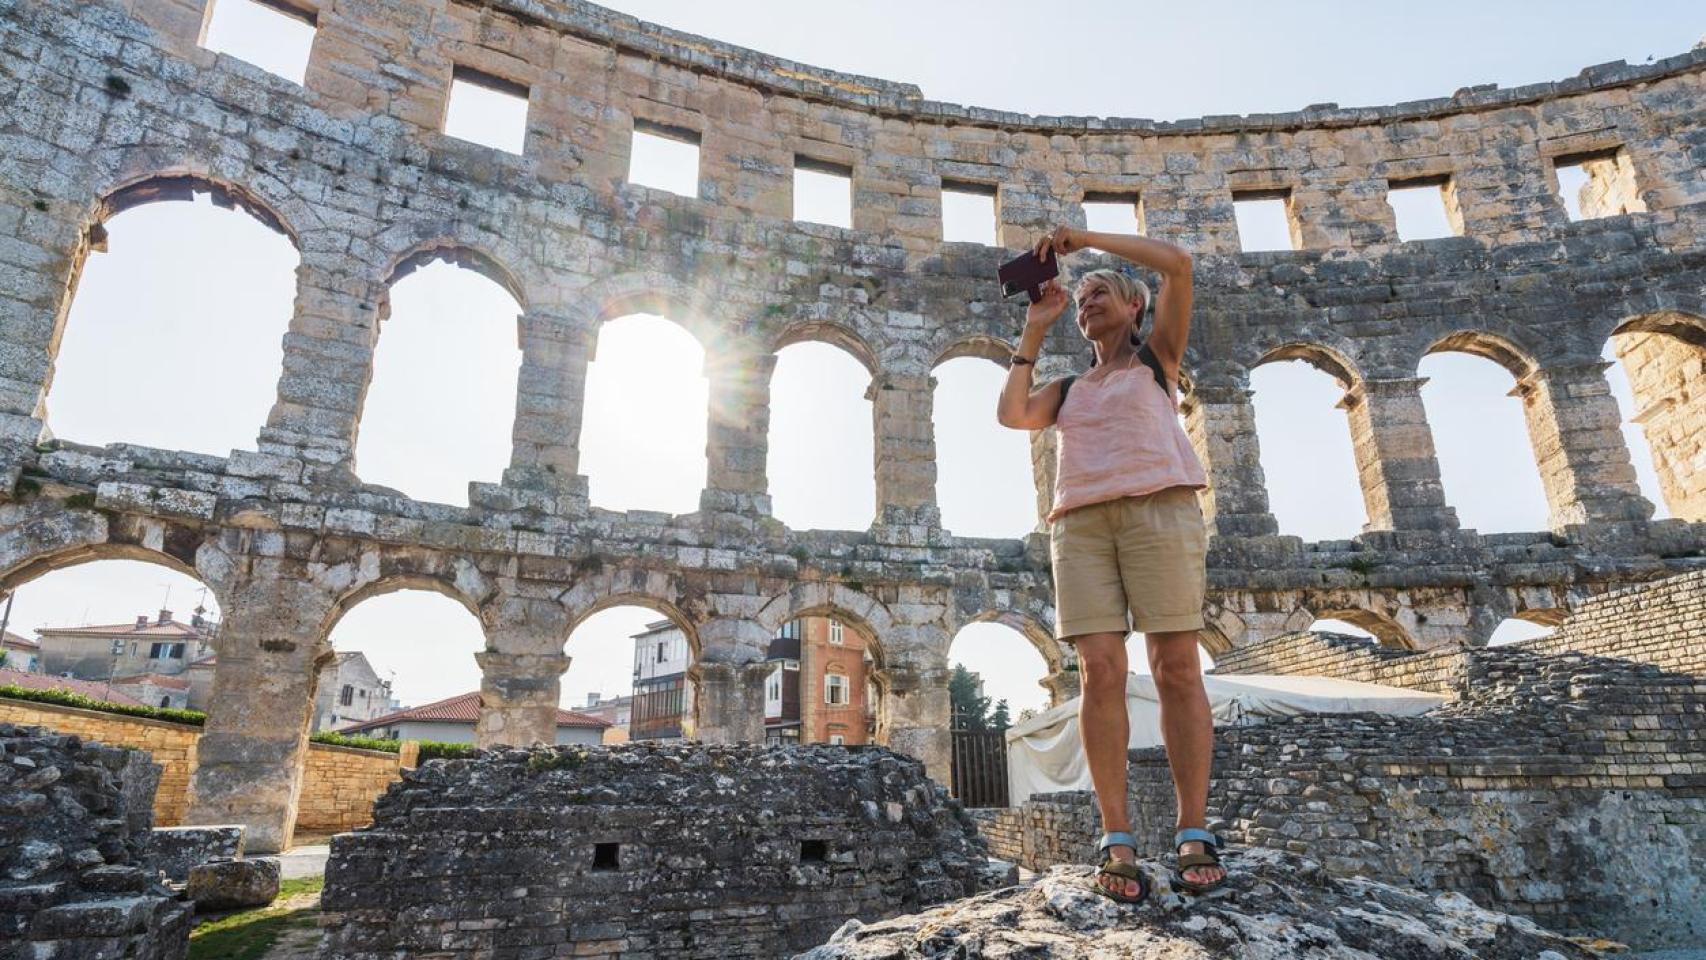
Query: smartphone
[[1027, 272]]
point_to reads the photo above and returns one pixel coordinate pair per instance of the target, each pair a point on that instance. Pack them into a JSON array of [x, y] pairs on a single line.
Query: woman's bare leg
[[1106, 730], [1187, 727]]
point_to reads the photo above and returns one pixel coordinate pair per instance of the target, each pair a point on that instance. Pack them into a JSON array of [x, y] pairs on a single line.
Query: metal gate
[[980, 768]]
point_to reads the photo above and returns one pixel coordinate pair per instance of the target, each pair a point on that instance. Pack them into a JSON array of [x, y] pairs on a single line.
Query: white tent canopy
[[1044, 753]]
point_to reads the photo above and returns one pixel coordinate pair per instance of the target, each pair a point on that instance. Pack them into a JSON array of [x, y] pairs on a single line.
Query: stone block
[[233, 884]]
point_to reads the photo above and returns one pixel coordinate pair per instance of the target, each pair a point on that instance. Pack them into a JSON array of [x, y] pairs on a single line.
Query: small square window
[[968, 213], [487, 110], [271, 35], [1420, 209], [1113, 213], [1594, 185], [814, 851], [607, 856], [837, 633], [1264, 220], [665, 158], [823, 193]]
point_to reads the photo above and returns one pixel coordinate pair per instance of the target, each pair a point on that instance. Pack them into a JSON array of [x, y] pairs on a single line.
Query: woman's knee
[[1102, 663]]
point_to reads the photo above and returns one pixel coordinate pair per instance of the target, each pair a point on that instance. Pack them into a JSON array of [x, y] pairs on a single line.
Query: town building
[[156, 689], [156, 644], [662, 698], [349, 691], [96, 690], [22, 653], [821, 687], [452, 720], [616, 711]]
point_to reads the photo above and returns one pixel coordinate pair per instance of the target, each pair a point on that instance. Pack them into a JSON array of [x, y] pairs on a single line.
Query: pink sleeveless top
[[1118, 435]]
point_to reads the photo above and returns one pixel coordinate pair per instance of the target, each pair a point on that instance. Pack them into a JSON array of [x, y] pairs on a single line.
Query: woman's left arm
[[1172, 304]]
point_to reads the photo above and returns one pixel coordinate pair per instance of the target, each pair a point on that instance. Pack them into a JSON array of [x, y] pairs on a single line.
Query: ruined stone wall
[[170, 745], [74, 833], [1559, 787], [113, 103], [1666, 374], [1663, 624], [645, 849], [340, 785], [1344, 657]]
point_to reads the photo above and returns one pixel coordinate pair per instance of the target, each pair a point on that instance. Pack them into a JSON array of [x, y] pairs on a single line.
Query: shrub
[[66, 698], [335, 739]]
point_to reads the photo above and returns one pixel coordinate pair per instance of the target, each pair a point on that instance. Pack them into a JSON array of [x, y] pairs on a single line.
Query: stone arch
[[983, 346], [834, 334], [821, 598], [1056, 655], [1658, 357], [1690, 328], [448, 576], [652, 589], [1553, 617], [655, 293], [1329, 360], [1386, 630], [457, 254], [159, 187], [1502, 350]]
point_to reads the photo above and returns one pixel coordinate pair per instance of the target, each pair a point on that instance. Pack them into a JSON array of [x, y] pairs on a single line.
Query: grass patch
[[249, 934]]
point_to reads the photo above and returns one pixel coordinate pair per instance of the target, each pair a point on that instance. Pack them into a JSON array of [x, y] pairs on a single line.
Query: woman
[[1126, 534]]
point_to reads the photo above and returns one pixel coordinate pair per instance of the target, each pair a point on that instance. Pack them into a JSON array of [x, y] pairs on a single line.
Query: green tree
[[970, 709], [999, 721]]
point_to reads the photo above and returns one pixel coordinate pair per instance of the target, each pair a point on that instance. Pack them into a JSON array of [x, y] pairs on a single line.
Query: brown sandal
[[1123, 869], [1210, 857]]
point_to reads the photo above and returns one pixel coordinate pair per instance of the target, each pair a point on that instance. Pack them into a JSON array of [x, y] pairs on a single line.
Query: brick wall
[[339, 784], [1661, 623], [172, 745]]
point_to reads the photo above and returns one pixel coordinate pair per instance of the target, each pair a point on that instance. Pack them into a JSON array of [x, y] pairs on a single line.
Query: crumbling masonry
[[111, 103]]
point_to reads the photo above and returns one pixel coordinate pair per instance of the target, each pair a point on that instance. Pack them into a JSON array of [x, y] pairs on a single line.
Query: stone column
[[919, 712], [727, 677], [1221, 422], [1574, 425], [905, 449], [549, 403], [737, 438], [1667, 376], [328, 365], [521, 673], [1394, 450], [251, 752]]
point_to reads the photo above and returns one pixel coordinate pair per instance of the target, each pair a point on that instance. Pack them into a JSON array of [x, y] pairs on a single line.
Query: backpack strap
[[1065, 385], [1147, 357]]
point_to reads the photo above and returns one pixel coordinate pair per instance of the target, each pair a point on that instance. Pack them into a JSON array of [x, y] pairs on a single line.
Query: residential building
[[156, 689], [349, 691], [662, 698], [157, 644], [200, 676], [452, 720], [820, 688], [22, 653], [88, 688], [616, 711]]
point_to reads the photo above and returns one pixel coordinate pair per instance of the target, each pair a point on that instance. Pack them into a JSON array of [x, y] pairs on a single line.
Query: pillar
[[727, 679], [1221, 422], [251, 752], [1576, 431], [737, 438], [549, 404], [905, 449], [521, 673], [1395, 457], [919, 712], [328, 364]]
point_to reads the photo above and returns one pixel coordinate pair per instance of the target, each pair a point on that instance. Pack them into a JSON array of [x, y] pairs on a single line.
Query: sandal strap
[[1189, 860], [1116, 838], [1210, 841], [1122, 868]]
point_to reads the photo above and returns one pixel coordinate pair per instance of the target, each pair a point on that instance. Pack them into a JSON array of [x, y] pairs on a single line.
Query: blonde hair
[[1123, 285]]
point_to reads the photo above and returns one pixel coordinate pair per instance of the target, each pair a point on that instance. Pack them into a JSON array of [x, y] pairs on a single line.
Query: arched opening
[[1000, 675], [114, 630], [629, 668], [158, 348], [1486, 456], [1306, 453], [824, 683], [821, 447], [442, 401], [1657, 367], [402, 668], [644, 425], [1517, 629], [984, 479], [1363, 623]]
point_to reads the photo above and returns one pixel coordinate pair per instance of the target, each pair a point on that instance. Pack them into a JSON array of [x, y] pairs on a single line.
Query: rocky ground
[[1275, 906]]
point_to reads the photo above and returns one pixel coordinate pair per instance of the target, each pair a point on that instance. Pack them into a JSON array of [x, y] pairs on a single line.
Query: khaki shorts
[[1137, 563]]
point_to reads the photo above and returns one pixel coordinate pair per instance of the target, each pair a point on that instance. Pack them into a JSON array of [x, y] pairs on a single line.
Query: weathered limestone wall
[[339, 784], [1666, 374], [680, 850], [1663, 624], [75, 881], [1350, 658], [170, 745], [113, 103], [1559, 787]]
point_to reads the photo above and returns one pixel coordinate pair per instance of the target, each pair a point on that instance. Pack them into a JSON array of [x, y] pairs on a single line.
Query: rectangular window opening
[[665, 158], [837, 633], [968, 213], [1597, 184], [270, 34], [823, 193], [487, 110], [814, 851], [1423, 208], [1113, 212], [607, 856], [1264, 220]]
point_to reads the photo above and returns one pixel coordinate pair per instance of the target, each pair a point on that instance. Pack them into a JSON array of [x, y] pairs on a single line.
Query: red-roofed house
[[149, 645], [22, 653], [88, 688], [452, 721], [157, 690]]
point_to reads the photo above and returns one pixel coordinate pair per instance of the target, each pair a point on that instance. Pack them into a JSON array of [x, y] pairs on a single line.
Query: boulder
[[233, 884]]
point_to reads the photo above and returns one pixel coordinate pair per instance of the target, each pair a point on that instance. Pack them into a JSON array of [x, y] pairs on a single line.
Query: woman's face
[[1101, 312]]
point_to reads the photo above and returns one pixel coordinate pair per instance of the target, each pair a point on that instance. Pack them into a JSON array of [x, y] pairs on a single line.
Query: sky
[[153, 334]]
